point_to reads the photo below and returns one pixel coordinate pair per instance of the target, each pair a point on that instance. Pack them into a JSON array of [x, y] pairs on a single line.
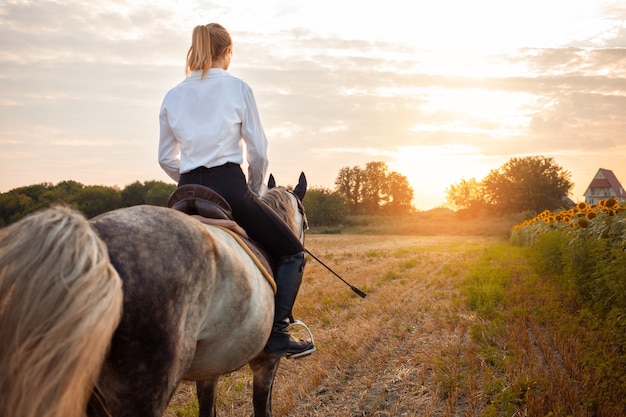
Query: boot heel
[[311, 341]]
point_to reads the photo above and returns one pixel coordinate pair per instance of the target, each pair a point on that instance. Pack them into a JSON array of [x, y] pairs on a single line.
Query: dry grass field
[[451, 326], [404, 350]]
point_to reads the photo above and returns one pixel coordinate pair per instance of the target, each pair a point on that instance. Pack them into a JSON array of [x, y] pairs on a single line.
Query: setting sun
[[431, 169]]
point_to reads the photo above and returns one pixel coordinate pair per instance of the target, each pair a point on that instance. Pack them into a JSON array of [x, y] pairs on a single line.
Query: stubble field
[[404, 350]]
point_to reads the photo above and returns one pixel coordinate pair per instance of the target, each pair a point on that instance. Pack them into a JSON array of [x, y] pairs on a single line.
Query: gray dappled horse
[[173, 300]]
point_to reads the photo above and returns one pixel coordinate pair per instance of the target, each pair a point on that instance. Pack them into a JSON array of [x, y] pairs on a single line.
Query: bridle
[[305, 223]]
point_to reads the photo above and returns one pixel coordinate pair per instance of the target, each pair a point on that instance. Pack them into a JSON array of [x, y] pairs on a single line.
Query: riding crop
[[352, 287]]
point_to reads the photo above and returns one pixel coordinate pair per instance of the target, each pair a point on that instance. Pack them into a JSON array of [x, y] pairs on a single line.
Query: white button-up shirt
[[203, 122]]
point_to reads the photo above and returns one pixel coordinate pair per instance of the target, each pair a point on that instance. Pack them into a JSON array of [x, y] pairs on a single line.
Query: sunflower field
[[583, 250], [607, 219], [586, 247]]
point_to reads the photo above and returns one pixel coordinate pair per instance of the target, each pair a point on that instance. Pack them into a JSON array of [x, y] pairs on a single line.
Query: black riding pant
[[258, 219]]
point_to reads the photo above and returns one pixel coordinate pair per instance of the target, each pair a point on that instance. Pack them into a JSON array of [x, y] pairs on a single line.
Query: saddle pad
[[254, 254]]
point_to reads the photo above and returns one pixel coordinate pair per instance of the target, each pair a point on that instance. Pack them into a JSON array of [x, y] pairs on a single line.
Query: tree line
[[532, 184], [526, 184], [91, 200], [370, 190]]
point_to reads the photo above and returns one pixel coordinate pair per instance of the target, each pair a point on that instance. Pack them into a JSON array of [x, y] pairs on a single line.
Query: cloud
[[83, 81]]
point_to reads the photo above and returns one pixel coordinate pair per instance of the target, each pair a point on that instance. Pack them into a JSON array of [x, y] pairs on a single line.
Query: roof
[[600, 183], [605, 178]]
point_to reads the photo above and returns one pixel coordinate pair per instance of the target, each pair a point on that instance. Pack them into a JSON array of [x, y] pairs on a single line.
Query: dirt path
[[404, 350]]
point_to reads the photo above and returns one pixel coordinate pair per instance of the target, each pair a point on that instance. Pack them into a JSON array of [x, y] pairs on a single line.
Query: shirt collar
[[213, 72]]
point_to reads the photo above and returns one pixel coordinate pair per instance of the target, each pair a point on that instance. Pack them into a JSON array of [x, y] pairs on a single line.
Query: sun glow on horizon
[[430, 170]]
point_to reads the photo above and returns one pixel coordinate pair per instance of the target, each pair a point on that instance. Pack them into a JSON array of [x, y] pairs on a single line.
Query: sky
[[438, 90]]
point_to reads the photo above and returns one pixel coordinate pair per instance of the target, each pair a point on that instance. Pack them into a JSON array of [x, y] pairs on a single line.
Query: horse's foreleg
[[264, 369], [207, 397]]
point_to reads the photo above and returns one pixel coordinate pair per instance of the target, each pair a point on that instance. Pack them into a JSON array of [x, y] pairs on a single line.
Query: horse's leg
[[264, 369], [207, 397]]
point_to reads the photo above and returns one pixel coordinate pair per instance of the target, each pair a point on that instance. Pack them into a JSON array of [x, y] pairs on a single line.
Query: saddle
[[208, 207], [195, 199]]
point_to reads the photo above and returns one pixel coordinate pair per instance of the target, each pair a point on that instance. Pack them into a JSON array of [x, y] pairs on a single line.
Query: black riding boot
[[288, 279]]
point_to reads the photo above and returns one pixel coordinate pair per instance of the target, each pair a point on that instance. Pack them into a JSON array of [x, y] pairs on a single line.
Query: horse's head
[[288, 204]]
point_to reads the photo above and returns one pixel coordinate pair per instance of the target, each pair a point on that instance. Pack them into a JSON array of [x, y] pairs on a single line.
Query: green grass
[[544, 354], [190, 409], [428, 223]]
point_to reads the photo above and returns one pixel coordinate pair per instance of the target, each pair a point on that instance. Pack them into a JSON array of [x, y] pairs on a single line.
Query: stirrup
[[308, 351]]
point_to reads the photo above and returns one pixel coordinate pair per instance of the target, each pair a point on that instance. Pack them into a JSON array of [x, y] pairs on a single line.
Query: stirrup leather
[[306, 352]]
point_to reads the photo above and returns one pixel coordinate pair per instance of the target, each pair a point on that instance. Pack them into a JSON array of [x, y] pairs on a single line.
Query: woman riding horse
[[109, 315], [202, 123]]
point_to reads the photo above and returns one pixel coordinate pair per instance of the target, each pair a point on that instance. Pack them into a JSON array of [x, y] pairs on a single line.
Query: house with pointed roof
[[604, 185]]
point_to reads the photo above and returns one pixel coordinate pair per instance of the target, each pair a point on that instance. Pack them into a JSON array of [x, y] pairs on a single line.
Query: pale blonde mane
[[281, 203], [60, 302]]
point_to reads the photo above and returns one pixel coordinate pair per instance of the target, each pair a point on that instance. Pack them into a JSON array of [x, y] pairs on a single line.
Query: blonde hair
[[208, 42], [60, 302]]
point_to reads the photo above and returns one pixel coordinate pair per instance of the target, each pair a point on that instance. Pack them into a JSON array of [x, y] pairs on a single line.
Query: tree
[[533, 183], [467, 196], [154, 193], [133, 194], [398, 194], [12, 207], [324, 207], [158, 192], [34, 192], [17, 203], [97, 199], [374, 189], [349, 184], [63, 191], [374, 185]]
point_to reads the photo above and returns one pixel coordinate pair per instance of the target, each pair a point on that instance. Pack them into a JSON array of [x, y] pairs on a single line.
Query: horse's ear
[[271, 182], [300, 189]]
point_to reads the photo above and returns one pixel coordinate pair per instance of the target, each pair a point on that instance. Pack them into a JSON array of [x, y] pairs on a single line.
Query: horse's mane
[[278, 199], [55, 275]]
